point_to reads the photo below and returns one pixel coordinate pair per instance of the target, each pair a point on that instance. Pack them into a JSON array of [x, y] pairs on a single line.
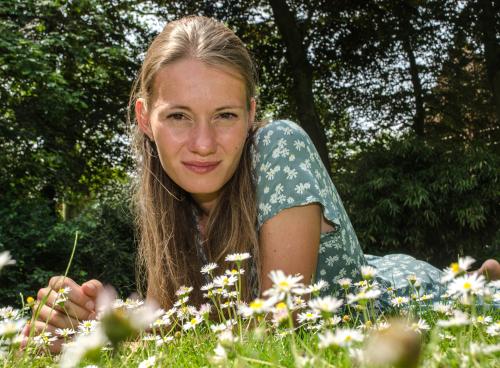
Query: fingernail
[[91, 286], [24, 342], [90, 305]]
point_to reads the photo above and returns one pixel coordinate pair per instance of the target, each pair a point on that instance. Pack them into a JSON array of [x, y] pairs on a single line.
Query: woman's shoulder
[[278, 129]]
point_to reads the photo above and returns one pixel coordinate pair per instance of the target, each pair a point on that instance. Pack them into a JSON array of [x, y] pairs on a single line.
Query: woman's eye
[[227, 115], [176, 116]]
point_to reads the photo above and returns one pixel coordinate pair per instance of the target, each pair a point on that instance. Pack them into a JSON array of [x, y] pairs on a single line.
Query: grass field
[[292, 327]]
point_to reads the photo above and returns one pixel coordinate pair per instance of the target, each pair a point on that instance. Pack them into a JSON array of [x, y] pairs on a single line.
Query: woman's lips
[[201, 167]]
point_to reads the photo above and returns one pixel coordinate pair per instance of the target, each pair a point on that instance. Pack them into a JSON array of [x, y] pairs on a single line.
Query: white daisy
[[459, 319], [219, 357], [345, 283], [420, 326], [426, 297], [148, 363], [183, 291], [368, 272], [476, 349], [442, 308], [224, 280], [164, 340], [457, 268], [465, 286], [494, 329], [209, 268], [65, 332], [9, 313], [44, 339], [192, 323], [412, 279], [399, 301], [483, 320], [226, 338], [318, 286], [298, 302], [205, 309], [363, 296], [62, 296], [256, 307], [223, 326], [237, 257], [74, 351], [87, 326], [6, 259], [235, 272], [309, 316], [327, 304], [342, 338], [283, 284], [9, 328], [207, 287]]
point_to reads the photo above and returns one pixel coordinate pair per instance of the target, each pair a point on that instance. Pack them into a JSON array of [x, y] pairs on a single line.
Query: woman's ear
[[251, 113], [142, 117]]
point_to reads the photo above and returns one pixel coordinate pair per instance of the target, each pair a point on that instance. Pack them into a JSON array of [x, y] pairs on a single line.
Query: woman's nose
[[202, 140]]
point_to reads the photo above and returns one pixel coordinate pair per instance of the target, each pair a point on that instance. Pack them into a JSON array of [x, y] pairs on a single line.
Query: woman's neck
[[206, 203]]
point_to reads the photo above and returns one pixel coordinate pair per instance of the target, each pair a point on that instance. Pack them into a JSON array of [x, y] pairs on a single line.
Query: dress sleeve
[[289, 173]]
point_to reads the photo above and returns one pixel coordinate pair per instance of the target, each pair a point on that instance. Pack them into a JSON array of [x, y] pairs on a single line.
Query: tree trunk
[[487, 25], [419, 117], [302, 77]]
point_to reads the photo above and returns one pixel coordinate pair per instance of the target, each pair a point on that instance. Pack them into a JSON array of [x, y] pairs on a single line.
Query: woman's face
[[199, 121]]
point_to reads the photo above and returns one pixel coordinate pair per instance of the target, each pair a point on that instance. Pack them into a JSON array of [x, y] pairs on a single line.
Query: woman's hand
[[62, 304], [490, 269]]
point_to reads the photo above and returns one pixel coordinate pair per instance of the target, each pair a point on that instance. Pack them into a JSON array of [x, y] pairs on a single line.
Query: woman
[[213, 182]]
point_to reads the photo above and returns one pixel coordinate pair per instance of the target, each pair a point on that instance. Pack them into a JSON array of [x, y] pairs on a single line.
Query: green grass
[[268, 337]]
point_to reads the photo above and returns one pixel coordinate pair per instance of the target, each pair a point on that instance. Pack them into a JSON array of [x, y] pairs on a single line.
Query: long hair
[[165, 213]]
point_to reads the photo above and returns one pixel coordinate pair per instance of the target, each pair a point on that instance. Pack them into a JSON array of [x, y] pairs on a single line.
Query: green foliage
[[433, 199], [66, 73], [41, 244]]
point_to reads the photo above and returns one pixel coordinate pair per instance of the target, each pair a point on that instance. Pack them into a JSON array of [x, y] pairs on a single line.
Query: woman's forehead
[[189, 81]]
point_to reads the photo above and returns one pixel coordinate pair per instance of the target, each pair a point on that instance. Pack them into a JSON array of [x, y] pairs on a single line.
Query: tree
[[66, 73], [296, 52]]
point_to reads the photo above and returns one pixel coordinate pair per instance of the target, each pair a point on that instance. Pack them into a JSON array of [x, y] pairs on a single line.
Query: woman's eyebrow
[[183, 107], [229, 107]]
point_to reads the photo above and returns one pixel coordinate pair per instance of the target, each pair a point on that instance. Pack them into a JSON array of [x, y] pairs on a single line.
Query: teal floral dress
[[289, 173]]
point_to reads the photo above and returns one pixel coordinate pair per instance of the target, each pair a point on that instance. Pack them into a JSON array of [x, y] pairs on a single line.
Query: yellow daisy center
[[256, 304], [467, 285], [454, 267], [281, 305]]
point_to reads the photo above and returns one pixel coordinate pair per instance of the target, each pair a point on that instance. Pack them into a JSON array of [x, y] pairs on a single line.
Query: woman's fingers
[[67, 306], [92, 288], [38, 327], [54, 317], [74, 292]]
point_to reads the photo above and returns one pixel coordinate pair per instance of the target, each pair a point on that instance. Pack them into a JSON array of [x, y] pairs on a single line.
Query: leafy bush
[[433, 199], [41, 243]]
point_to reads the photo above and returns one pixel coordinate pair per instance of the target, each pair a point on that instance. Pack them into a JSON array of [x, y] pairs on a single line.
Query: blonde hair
[[165, 213]]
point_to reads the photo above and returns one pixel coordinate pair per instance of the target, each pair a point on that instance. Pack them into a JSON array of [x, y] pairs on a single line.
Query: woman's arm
[[289, 241]]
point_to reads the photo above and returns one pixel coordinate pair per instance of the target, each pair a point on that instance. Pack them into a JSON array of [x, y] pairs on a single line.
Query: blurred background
[[401, 98]]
